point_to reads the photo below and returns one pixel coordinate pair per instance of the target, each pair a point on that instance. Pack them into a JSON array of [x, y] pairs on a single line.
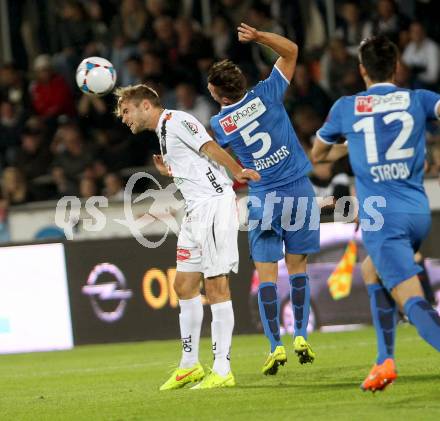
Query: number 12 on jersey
[[396, 149]]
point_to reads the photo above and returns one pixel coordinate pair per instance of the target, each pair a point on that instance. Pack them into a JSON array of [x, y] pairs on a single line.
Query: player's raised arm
[[217, 154], [323, 153], [285, 48]]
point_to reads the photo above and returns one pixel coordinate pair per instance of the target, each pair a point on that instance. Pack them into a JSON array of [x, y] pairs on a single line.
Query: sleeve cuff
[[204, 142], [320, 138], [436, 108], [282, 75]]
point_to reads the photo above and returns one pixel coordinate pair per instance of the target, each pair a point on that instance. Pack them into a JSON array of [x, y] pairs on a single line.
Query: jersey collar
[[162, 116], [379, 84], [226, 107]]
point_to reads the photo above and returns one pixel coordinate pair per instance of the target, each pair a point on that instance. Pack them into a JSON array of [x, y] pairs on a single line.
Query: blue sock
[[300, 297], [384, 315], [269, 312], [426, 320]]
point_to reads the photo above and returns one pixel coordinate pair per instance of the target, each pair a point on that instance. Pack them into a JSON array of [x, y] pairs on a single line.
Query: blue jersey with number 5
[[385, 129], [260, 133]]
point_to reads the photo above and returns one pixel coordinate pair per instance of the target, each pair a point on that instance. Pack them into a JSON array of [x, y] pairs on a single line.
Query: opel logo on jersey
[[108, 299], [213, 180]]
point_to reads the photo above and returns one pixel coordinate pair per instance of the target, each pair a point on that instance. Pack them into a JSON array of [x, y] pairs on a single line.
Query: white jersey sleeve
[[190, 131]]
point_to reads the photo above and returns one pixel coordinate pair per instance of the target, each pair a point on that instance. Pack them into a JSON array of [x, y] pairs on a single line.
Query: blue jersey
[[260, 133], [385, 129]]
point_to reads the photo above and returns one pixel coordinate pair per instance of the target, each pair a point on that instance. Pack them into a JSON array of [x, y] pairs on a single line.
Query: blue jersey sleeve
[[221, 139], [274, 87], [332, 128], [430, 102]]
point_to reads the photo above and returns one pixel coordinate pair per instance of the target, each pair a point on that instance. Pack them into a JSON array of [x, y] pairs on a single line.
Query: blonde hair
[[136, 93]]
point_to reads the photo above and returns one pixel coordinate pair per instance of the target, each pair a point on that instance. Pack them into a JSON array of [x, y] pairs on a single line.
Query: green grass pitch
[[120, 382]]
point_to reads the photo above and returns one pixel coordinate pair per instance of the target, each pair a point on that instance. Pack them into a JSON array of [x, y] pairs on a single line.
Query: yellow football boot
[[276, 358], [214, 380], [303, 350], [183, 376]]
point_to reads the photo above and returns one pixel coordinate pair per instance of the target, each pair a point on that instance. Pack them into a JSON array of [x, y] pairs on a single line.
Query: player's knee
[[217, 289], [407, 290], [181, 290], [296, 263], [368, 271], [185, 290]]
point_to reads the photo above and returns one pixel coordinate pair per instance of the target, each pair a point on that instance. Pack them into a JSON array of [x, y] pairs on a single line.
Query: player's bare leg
[[300, 298], [409, 295], [187, 287], [269, 307], [424, 278], [222, 326], [383, 312]]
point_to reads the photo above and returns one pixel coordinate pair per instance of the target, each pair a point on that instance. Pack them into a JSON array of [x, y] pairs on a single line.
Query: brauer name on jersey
[[242, 116], [272, 159]]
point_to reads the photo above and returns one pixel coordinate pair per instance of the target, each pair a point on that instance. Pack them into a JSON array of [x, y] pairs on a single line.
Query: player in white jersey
[[181, 136], [207, 243]]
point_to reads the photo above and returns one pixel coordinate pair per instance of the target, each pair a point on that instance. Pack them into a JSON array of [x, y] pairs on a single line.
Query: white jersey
[[197, 177]]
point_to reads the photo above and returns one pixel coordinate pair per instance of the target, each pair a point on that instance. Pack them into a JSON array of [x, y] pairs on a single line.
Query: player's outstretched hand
[[246, 33], [160, 165], [247, 175]]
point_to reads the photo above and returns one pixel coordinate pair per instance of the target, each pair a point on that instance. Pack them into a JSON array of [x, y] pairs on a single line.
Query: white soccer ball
[[95, 76]]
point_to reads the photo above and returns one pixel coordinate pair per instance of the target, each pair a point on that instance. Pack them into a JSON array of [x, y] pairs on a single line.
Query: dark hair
[[261, 8], [228, 80], [379, 57]]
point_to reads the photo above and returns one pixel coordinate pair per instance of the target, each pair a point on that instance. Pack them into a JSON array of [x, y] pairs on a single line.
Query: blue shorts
[[392, 247], [297, 226]]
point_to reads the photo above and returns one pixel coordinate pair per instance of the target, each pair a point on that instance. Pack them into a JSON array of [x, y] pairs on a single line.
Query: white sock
[[190, 319], [221, 330]]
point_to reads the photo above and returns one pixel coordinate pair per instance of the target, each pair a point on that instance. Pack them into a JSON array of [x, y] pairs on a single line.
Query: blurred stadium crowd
[[55, 141]]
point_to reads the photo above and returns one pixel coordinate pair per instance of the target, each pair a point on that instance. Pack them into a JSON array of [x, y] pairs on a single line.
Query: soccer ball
[[95, 76]]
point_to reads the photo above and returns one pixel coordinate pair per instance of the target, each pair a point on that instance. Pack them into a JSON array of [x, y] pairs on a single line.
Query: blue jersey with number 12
[[385, 129], [260, 133]]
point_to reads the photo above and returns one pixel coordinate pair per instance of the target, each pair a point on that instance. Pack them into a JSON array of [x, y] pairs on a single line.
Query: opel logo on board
[[107, 291]]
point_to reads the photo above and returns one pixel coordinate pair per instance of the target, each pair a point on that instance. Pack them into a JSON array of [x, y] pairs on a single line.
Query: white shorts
[[207, 240]]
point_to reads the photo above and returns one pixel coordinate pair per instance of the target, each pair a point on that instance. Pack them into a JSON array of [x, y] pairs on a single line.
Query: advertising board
[[34, 303]]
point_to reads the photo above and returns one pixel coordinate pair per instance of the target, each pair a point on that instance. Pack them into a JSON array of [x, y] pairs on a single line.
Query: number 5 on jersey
[[251, 139]]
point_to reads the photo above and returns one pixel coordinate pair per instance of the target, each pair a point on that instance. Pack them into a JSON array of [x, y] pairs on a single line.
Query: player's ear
[[225, 101], [398, 68], [362, 70]]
